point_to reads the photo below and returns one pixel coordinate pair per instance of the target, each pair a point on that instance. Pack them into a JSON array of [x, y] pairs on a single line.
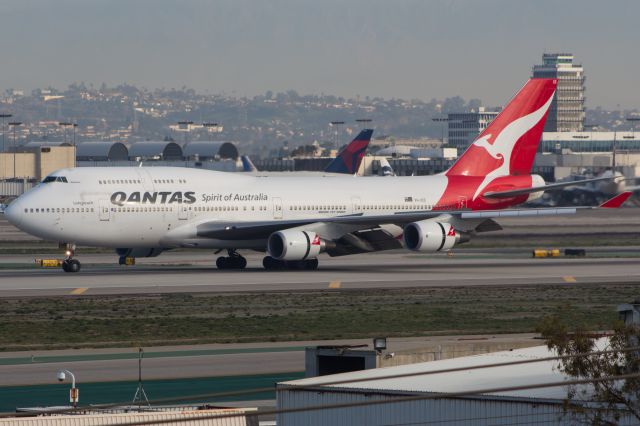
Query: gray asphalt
[[186, 272]]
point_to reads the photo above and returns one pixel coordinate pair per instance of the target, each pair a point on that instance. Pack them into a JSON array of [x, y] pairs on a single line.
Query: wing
[[360, 233], [262, 229]]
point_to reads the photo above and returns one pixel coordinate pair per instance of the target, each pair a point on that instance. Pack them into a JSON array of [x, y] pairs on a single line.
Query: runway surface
[[189, 272]]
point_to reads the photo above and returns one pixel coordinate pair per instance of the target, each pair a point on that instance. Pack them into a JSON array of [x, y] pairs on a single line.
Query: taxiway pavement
[[194, 273]]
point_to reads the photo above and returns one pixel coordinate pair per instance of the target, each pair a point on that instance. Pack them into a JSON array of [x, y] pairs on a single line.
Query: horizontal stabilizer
[[552, 186]]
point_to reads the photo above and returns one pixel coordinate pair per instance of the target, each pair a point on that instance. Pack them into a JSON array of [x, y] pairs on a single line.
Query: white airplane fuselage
[[162, 206]]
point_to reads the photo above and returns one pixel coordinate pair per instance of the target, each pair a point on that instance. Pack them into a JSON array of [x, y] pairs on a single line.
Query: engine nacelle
[[429, 236], [139, 252], [294, 245]]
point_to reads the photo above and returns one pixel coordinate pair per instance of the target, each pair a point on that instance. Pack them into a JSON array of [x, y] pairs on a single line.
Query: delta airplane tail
[[349, 159], [508, 146]]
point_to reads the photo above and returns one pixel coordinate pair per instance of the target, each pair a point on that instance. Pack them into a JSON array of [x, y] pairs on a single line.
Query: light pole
[[74, 393], [13, 125], [209, 126], [64, 125], [4, 116], [74, 133], [634, 122], [441, 120], [337, 125], [187, 126], [364, 122]]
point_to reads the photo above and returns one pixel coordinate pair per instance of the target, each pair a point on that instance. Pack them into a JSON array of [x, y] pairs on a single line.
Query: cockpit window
[[55, 179]]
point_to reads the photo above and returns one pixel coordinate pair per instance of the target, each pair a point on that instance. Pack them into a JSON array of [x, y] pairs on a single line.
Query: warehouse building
[[210, 150], [155, 150], [102, 151], [418, 381]]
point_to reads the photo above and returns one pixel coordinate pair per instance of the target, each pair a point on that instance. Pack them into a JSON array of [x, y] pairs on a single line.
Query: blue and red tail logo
[[349, 159]]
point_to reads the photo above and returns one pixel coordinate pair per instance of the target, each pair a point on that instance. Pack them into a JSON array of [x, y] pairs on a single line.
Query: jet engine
[[139, 252], [294, 244], [429, 236]]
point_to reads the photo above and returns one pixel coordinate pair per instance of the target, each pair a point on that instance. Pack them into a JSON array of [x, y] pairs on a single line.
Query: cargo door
[[356, 206], [277, 208], [183, 211]]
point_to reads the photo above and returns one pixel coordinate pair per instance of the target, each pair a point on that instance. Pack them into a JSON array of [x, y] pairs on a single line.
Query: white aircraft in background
[[347, 161], [143, 211]]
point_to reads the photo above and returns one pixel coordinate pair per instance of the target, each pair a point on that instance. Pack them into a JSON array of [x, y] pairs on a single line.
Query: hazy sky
[[393, 48]]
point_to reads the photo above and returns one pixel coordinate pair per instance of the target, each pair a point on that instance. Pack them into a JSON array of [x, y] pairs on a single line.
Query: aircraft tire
[[311, 264], [231, 262], [271, 264], [242, 262], [222, 263], [71, 265]]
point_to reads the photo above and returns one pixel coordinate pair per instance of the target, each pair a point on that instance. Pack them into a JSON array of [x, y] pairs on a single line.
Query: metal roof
[[210, 149], [150, 149], [112, 151], [485, 378]]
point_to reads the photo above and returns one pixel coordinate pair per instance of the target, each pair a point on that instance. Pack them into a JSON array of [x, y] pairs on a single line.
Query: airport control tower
[[567, 110]]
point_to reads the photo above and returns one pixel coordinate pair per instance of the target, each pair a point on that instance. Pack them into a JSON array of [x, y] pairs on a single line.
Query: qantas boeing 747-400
[[144, 211]]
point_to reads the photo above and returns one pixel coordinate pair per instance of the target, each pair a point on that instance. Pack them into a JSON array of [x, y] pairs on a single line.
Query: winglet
[[616, 201]]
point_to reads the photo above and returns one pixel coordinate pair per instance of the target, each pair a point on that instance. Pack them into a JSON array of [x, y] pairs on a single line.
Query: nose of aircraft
[[13, 213]]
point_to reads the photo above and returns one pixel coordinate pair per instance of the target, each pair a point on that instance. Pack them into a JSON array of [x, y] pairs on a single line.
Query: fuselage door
[[277, 208], [183, 211], [356, 206], [105, 210]]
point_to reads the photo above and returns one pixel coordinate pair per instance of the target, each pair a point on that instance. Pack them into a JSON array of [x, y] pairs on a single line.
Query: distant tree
[[304, 151], [292, 95], [601, 403], [474, 104], [455, 104]]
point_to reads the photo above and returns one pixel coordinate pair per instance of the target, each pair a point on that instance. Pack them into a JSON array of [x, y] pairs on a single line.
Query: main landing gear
[[233, 261], [69, 264], [272, 264]]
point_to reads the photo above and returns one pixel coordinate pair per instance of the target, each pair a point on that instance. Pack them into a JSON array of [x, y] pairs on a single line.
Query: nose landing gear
[[69, 264], [233, 261]]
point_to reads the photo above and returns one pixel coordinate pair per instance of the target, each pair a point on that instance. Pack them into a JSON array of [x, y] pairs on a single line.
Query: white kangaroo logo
[[504, 143]]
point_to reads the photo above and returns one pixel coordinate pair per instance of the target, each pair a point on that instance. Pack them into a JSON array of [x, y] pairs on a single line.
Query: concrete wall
[[50, 159], [37, 163], [449, 350], [25, 166]]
